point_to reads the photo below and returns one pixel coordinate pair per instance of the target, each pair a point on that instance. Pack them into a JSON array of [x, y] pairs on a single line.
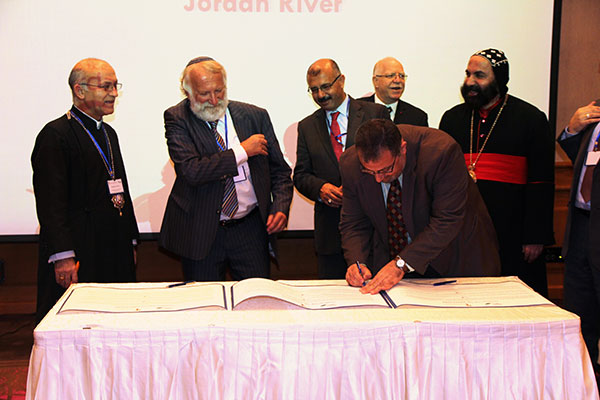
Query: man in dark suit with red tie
[[389, 82], [581, 246], [322, 137], [233, 186], [410, 207]]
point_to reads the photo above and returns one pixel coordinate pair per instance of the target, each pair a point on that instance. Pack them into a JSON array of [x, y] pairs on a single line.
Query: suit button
[[218, 211]]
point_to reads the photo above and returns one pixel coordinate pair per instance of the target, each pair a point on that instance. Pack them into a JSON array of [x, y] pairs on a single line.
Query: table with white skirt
[[274, 351]]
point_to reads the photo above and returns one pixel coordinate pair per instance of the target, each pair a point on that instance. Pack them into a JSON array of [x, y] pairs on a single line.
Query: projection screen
[[266, 47]]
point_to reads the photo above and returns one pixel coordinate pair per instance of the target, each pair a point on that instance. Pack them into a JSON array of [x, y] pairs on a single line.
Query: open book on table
[[314, 296], [203, 295]]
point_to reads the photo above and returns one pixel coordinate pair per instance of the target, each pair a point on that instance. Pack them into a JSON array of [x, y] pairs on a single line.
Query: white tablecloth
[[534, 352]]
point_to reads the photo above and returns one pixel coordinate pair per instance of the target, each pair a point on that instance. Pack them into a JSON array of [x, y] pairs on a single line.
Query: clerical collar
[[82, 113], [484, 112]]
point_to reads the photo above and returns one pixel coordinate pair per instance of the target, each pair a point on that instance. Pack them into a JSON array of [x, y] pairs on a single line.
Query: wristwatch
[[401, 264]]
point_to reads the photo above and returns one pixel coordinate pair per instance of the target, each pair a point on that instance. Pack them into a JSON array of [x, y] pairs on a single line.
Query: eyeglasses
[[382, 171], [324, 87], [107, 87], [400, 75]]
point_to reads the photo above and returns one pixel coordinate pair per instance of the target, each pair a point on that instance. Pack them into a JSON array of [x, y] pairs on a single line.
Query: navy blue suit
[[581, 246], [191, 223]]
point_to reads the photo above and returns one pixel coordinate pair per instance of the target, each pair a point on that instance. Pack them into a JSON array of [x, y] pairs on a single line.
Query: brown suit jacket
[[446, 218]]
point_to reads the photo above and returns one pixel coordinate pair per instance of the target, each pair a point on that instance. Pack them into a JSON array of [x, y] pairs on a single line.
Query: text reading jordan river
[[265, 6]]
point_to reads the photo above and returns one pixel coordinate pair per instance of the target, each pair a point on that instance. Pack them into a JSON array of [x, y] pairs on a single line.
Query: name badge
[[241, 176], [115, 186], [592, 158]]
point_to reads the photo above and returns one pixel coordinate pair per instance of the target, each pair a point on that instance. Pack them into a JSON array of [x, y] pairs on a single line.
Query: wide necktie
[[586, 183], [230, 202], [397, 235], [335, 136]]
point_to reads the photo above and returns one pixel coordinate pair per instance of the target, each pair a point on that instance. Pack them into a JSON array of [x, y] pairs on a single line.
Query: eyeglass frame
[[400, 75], [107, 87], [324, 87], [382, 171]]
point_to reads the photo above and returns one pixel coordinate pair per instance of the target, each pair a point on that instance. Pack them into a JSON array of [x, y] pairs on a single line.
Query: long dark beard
[[484, 96]]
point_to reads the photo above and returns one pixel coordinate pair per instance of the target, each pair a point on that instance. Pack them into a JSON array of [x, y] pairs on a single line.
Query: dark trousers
[[331, 266], [582, 283], [242, 246]]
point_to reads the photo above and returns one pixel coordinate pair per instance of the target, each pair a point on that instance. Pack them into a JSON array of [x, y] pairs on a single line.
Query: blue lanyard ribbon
[[108, 165]]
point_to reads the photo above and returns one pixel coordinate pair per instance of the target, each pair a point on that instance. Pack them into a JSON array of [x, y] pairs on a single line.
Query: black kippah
[[199, 60]]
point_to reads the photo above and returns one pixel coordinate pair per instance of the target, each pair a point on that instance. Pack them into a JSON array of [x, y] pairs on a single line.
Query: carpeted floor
[[16, 339]]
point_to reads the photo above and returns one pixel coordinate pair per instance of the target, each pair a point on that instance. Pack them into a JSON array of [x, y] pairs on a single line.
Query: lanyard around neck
[[110, 167]]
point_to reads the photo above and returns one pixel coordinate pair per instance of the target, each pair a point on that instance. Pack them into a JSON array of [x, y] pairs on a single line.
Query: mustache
[[324, 99], [473, 88]]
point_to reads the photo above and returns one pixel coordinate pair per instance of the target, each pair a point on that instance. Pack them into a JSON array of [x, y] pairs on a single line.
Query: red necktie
[[586, 183], [335, 136], [397, 236], [230, 203]]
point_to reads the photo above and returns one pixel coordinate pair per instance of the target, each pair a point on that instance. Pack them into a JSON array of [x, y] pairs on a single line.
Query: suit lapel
[[355, 117], [377, 206], [581, 156], [322, 131], [408, 187], [201, 134], [239, 122], [400, 109]]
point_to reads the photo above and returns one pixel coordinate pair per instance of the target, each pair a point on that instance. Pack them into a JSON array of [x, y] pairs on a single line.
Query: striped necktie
[[230, 202]]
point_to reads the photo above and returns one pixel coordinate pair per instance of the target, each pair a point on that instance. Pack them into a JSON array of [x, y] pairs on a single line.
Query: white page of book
[[311, 297], [118, 300], [499, 294]]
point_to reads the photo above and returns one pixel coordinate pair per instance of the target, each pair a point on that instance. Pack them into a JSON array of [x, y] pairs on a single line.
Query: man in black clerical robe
[[87, 224], [509, 151]]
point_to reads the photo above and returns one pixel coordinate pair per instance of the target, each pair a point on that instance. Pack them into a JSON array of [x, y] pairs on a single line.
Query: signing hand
[[65, 272], [583, 117], [276, 222], [532, 251], [331, 195], [255, 145], [353, 276], [387, 277]]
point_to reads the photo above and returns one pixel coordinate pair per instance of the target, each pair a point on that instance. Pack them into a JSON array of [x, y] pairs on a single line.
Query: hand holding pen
[[358, 274]]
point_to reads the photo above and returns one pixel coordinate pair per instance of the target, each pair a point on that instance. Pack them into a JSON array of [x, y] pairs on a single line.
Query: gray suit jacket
[[194, 206], [316, 165], [446, 218]]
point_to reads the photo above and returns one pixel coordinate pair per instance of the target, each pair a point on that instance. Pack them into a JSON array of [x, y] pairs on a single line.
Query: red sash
[[500, 167]]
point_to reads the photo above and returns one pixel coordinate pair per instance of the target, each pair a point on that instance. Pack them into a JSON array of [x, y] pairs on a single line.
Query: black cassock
[[520, 148], [74, 206]]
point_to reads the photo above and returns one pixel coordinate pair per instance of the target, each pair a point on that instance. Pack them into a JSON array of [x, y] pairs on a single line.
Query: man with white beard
[[233, 188]]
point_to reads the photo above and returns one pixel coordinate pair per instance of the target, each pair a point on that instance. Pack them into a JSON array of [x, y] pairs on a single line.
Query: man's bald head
[[389, 80], [94, 84], [86, 68], [326, 83]]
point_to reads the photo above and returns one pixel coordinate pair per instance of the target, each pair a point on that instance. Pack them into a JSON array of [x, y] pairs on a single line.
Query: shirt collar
[[342, 108], [98, 123], [393, 105]]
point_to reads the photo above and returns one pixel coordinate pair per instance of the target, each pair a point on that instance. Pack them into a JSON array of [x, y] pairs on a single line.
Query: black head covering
[[199, 60], [499, 66]]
